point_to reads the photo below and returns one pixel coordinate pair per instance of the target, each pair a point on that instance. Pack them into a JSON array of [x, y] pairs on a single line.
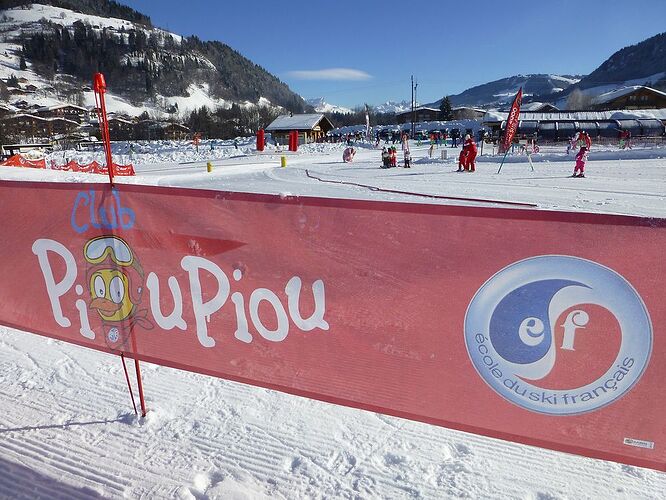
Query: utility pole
[[412, 134]]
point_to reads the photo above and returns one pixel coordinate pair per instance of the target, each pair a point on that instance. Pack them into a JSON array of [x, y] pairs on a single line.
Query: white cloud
[[330, 74]]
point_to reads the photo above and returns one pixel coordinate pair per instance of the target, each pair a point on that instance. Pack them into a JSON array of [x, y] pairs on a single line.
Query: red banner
[[512, 122], [94, 168], [20, 161], [71, 166], [512, 323]]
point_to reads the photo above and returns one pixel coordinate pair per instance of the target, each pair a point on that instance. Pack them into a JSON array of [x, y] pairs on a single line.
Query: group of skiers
[[467, 157], [468, 154], [390, 157]]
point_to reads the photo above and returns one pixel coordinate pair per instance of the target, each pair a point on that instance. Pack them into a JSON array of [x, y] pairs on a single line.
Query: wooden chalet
[[311, 127], [420, 114], [67, 111], [634, 97], [22, 126]]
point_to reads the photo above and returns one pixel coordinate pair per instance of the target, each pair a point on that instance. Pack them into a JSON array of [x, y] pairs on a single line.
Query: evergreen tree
[[22, 63], [446, 109]]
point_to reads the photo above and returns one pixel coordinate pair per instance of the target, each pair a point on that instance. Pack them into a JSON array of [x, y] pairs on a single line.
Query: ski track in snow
[[67, 429]]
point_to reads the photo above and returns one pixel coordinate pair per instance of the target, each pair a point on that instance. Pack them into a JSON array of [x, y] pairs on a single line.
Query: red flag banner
[[512, 122], [511, 323]]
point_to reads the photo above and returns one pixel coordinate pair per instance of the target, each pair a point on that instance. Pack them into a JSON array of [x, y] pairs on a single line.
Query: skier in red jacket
[[472, 151], [584, 140]]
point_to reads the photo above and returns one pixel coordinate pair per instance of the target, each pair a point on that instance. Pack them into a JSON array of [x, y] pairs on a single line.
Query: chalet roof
[[121, 120], [40, 118], [306, 121], [536, 106], [621, 92], [458, 108], [45, 109], [659, 114], [416, 110]]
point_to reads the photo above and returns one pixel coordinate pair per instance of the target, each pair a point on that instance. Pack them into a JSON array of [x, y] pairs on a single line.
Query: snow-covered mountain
[[321, 106], [501, 92], [393, 107], [53, 52], [641, 64]]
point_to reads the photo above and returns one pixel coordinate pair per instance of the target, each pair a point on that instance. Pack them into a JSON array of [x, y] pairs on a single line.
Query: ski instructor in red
[[471, 149]]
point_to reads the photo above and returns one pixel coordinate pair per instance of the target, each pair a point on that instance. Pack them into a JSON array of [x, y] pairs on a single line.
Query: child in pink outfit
[[581, 158]]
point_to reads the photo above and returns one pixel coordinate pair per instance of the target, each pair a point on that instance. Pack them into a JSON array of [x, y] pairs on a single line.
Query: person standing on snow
[[385, 158], [462, 159], [472, 151], [581, 158], [348, 155], [393, 156], [408, 159]]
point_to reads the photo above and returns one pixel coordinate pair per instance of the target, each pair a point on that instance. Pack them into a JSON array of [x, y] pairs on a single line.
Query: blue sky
[[364, 51]]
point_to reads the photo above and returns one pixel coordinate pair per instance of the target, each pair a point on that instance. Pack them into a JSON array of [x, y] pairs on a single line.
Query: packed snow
[[68, 430]]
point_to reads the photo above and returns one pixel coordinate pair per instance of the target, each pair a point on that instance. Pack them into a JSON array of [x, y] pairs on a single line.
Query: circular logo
[[558, 335]]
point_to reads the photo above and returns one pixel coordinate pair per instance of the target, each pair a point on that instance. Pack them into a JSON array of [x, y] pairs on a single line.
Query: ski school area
[[292, 325]]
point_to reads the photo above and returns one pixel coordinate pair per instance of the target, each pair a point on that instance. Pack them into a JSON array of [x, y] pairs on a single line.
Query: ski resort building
[[26, 126], [311, 127], [562, 125], [467, 113], [420, 114], [67, 111], [634, 97]]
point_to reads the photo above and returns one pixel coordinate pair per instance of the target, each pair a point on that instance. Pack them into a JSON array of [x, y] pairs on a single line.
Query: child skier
[[393, 156], [385, 158], [348, 155], [462, 160], [581, 158], [408, 159]]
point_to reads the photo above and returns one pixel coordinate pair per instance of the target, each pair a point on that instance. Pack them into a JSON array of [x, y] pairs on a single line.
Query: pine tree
[[446, 109], [22, 64]]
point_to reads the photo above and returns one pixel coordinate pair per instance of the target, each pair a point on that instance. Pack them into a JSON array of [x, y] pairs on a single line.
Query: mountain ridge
[[141, 63]]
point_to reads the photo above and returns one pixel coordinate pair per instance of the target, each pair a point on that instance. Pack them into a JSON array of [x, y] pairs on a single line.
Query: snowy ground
[[67, 429]]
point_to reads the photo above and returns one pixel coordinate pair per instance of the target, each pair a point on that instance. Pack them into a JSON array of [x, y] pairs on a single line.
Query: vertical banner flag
[[512, 122], [367, 122], [539, 335]]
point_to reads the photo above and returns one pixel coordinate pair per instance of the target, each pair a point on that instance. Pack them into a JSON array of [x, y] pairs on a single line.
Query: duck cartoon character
[[115, 278]]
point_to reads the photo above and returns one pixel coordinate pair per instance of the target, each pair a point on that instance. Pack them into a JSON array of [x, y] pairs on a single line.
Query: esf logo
[[558, 335]]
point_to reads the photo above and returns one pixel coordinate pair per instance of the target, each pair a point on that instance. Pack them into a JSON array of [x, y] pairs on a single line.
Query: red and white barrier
[[538, 327]]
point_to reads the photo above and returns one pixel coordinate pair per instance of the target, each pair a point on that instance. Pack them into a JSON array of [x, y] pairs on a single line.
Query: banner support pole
[[129, 386], [138, 377], [502, 163]]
